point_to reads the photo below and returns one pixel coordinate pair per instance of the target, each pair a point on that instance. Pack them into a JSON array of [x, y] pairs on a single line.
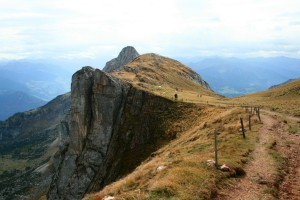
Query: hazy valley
[[233, 77]]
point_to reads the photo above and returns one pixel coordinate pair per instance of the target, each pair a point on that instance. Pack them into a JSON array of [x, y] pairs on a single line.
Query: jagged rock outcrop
[[113, 127], [127, 55], [196, 78]]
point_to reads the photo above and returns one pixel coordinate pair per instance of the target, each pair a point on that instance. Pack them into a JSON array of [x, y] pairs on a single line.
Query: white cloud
[[91, 28]]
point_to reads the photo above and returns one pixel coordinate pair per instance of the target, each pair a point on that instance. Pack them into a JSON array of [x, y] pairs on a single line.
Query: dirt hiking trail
[[269, 176]]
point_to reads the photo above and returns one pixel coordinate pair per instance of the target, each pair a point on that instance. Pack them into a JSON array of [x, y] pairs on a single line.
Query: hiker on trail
[[176, 96]]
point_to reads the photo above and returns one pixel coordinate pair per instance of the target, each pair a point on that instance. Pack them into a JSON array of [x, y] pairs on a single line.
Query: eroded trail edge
[[274, 169]]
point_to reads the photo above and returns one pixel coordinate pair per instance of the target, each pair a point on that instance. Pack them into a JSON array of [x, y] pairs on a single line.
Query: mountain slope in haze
[[28, 141], [284, 98], [235, 77], [13, 102], [288, 81]]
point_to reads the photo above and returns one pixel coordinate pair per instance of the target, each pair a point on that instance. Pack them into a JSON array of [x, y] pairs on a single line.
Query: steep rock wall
[[112, 128]]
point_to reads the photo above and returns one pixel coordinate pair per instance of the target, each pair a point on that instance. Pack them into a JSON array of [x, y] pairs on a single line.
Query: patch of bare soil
[[289, 147], [263, 180]]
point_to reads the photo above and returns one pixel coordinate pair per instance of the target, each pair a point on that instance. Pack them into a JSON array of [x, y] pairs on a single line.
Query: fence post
[[250, 122], [216, 148], [243, 130], [258, 114]]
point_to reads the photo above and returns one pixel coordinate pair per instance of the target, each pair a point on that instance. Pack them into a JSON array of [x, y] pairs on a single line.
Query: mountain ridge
[[162, 75], [102, 113], [114, 115]]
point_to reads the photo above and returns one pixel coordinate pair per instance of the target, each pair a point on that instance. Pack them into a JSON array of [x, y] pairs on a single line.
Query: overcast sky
[[174, 28]]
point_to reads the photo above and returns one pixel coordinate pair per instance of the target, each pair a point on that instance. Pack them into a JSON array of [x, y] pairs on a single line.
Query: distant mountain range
[[28, 84], [235, 77], [13, 102], [42, 80]]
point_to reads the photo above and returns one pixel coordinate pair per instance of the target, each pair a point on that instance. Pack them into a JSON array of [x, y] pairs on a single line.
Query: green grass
[[270, 190], [7, 164], [280, 163], [294, 128], [278, 158]]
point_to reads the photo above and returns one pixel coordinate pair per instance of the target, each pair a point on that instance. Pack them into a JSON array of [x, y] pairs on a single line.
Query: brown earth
[[274, 170]]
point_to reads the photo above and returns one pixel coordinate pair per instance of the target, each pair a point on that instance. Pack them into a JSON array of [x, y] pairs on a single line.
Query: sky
[[91, 29]]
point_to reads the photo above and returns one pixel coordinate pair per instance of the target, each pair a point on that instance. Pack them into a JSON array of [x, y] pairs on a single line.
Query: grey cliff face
[[96, 103], [112, 128], [127, 55]]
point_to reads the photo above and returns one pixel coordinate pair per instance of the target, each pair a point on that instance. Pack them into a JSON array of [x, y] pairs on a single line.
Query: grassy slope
[[284, 98], [164, 77], [186, 175]]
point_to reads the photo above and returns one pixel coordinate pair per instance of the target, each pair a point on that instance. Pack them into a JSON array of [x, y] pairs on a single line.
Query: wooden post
[[250, 122], [243, 130], [258, 114], [216, 148]]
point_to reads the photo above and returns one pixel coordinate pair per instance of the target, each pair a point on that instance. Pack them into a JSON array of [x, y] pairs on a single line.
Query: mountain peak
[[159, 74], [128, 50], [126, 55]]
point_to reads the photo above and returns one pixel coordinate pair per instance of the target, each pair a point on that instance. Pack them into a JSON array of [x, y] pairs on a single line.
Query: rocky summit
[[127, 55]]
